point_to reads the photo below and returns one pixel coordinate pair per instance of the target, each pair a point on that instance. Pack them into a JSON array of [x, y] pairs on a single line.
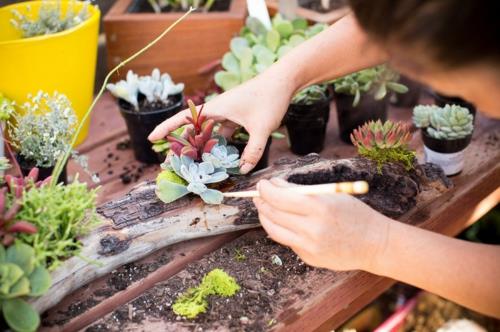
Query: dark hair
[[452, 32]]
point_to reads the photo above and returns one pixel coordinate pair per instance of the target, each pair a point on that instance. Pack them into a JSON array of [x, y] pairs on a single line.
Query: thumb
[[253, 152]]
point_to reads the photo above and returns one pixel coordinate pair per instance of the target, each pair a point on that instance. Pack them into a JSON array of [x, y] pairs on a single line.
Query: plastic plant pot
[[449, 154], [63, 61], [306, 126], [264, 160], [141, 123], [442, 100], [351, 117], [43, 172]]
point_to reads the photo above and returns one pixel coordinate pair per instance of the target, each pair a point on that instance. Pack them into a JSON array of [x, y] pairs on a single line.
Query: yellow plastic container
[[63, 62]]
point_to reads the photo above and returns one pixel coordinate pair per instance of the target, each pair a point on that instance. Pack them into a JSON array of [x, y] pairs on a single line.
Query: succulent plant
[[223, 156], [311, 94], [20, 277], [196, 139], [159, 5], [377, 81], [50, 19], [384, 142], [6, 108], [156, 88], [445, 123]]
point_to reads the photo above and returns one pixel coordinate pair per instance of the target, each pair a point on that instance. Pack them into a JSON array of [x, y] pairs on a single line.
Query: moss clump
[[194, 301], [383, 156]]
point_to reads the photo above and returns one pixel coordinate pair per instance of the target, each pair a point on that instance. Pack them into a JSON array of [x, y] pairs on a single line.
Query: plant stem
[[62, 161]]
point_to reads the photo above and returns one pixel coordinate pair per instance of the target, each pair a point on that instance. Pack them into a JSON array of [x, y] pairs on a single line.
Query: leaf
[[255, 25], [300, 24], [20, 288], [246, 59], [211, 196], [2, 254], [40, 281], [295, 40], [22, 255], [381, 92], [238, 45], [168, 191], [227, 80], [230, 63], [264, 55], [20, 316], [283, 50], [397, 87], [273, 40], [285, 28], [247, 74]]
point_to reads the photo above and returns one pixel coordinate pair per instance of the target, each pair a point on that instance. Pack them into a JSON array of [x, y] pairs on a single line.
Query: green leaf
[[230, 63], [295, 40], [227, 80], [273, 40], [246, 58], [285, 28], [247, 73], [300, 24], [237, 45], [22, 255], [255, 25], [40, 281], [20, 316], [21, 288], [381, 92], [168, 191], [283, 50], [397, 87], [2, 254], [10, 274], [264, 55]]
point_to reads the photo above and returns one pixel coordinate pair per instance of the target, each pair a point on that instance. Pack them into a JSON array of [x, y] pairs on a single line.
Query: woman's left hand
[[332, 231]]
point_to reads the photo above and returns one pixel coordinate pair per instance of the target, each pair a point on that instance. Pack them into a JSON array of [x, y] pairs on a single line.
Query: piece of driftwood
[[138, 223]]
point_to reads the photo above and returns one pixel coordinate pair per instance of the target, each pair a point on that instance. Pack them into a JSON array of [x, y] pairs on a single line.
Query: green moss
[[383, 156], [194, 301]]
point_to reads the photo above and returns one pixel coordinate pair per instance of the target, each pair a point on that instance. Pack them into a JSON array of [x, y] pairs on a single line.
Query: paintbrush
[[353, 188]]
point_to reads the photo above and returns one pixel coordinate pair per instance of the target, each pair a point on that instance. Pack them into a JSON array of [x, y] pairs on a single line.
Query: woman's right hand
[[258, 105]]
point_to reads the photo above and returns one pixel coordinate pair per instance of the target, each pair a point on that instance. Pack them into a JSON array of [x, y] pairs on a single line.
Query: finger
[[278, 233], [279, 182], [295, 223], [253, 152], [169, 125], [227, 129], [286, 200]]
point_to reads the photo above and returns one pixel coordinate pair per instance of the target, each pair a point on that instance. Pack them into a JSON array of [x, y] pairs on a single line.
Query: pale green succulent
[[377, 81], [50, 19], [6, 108], [311, 94], [222, 156], [446, 123]]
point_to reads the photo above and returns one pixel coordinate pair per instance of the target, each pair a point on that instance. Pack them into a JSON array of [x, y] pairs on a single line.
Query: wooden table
[[309, 299]]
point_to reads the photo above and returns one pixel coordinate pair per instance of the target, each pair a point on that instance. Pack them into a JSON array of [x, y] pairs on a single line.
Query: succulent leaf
[[447, 123]]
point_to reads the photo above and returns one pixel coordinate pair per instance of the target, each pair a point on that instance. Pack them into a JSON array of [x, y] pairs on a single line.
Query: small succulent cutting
[[384, 142], [444, 123], [197, 159], [156, 88], [311, 95]]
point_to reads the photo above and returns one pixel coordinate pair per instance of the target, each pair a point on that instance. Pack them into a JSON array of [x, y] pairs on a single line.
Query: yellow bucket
[[63, 62]]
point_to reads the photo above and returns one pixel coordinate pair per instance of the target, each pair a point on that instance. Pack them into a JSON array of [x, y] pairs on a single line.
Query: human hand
[[257, 105], [338, 231]]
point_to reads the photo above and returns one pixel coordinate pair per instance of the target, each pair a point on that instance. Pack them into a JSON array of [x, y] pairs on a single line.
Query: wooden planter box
[[311, 15], [197, 41]]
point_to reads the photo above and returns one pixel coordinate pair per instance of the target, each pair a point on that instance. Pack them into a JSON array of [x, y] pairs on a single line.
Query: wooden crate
[[311, 15], [196, 42]]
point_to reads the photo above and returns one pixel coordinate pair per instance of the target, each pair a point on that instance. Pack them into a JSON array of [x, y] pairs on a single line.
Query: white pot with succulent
[[145, 102], [446, 132]]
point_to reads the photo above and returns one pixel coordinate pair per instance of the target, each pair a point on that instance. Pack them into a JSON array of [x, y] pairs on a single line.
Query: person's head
[[451, 45]]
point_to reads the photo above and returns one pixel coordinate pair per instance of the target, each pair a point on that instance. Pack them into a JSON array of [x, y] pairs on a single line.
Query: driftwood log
[[139, 224]]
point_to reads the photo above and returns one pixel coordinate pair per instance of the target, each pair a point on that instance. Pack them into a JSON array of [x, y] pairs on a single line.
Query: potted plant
[[307, 118], [361, 97], [145, 102], [201, 40], [319, 11], [50, 45], [42, 132], [446, 132], [443, 100]]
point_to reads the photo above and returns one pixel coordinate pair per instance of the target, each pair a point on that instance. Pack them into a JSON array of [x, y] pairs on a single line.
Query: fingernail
[[245, 168]]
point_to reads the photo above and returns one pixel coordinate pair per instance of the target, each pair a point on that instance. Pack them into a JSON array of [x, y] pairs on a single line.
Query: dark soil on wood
[[316, 5], [142, 6], [249, 259]]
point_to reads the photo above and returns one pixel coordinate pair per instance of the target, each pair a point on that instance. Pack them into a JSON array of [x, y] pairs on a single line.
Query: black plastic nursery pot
[[43, 172], [264, 160], [141, 123], [351, 117], [306, 126], [449, 154], [442, 100]]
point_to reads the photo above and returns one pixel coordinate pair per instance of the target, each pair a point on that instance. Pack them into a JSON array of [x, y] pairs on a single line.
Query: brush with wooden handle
[[353, 188]]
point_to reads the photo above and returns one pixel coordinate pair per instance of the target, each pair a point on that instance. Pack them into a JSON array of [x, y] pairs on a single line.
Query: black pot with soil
[[143, 6], [442, 100], [449, 154], [43, 172], [351, 117], [264, 160], [141, 123], [306, 126]]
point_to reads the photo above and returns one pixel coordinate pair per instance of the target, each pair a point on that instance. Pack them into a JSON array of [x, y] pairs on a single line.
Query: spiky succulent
[[384, 142], [196, 139], [311, 94], [445, 123]]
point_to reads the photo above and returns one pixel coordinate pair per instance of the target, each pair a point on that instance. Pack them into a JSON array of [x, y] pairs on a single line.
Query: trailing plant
[[184, 5], [376, 81], [194, 301], [444, 123], [21, 277], [197, 159], [50, 18], [62, 214], [6, 108], [155, 88], [384, 143], [310, 95]]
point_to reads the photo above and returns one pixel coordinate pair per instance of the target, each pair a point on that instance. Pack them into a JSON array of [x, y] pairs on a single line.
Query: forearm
[[341, 49], [466, 273]]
